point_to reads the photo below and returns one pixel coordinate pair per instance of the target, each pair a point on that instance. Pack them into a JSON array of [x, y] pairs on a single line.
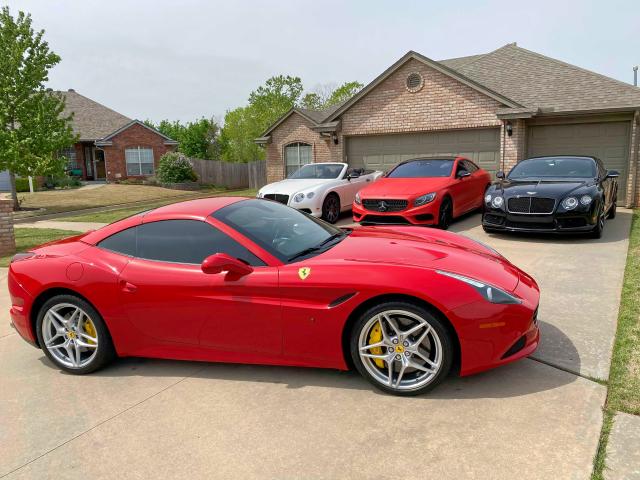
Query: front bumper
[[557, 222], [492, 335], [19, 313], [422, 215]]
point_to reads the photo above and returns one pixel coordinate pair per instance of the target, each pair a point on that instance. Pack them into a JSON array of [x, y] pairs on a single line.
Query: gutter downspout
[[635, 159]]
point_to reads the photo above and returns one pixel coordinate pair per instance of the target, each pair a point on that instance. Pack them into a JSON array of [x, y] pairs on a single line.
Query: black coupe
[[560, 194]]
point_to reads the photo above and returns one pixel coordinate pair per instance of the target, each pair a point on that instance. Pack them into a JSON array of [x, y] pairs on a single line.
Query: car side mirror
[[221, 262], [463, 174], [613, 174], [500, 174], [353, 175]]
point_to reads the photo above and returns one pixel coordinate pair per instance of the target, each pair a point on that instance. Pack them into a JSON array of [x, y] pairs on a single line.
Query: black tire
[[612, 210], [433, 321], [598, 230], [331, 208], [445, 214], [105, 351]]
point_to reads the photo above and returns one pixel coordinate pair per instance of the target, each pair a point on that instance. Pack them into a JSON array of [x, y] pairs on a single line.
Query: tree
[[266, 104], [324, 96], [197, 139], [32, 126]]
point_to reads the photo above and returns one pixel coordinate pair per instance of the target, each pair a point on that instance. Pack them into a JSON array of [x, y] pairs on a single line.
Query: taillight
[[22, 256]]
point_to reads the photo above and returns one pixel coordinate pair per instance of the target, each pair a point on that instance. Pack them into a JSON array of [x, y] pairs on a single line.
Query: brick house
[[111, 146], [496, 108]]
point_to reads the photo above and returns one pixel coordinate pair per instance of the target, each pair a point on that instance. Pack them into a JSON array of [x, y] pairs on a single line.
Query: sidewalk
[[59, 225]]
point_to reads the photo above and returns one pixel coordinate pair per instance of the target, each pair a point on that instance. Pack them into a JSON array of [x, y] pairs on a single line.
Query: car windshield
[[285, 232], [318, 170], [432, 167], [554, 167]]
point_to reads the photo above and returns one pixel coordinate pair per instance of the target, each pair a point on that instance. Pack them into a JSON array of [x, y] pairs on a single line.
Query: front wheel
[[598, 230], [612, 210], [401, 348], [73, 335], [445, 215], [331, 208]]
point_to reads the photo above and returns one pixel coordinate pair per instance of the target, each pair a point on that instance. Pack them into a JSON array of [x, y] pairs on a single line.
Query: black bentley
[[552, 194]]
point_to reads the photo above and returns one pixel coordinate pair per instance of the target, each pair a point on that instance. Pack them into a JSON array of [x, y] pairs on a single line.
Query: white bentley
[[320, 189]]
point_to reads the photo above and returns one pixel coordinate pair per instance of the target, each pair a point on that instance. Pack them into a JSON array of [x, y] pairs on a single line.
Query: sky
[[186, 59]]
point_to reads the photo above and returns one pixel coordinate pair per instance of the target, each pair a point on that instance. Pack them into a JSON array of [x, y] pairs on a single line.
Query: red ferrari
[[255, 281], [423, 191]]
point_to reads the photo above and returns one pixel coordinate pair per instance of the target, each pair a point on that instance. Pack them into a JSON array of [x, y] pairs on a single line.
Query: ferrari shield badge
[[304, 272]]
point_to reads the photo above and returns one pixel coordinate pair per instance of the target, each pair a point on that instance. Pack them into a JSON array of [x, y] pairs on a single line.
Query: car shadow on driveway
[[523, 377]]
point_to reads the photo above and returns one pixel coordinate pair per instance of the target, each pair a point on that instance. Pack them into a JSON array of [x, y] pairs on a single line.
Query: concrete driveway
[[142, 418]]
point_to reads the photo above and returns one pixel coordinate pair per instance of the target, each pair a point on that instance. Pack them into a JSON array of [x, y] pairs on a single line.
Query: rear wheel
[[445, 214], [612, 210], [331, 208], [401, 348], [73, 335]]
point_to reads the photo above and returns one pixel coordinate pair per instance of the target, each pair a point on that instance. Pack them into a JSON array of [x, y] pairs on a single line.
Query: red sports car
[[255, 281], [423, 191]]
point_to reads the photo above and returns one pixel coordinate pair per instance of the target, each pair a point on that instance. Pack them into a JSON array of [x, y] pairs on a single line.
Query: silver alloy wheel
[[69, 335], [409, 350]]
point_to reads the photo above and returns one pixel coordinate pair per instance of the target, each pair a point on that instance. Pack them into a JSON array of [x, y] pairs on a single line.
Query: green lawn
[[624, 377], [27, 238], [114, 215]]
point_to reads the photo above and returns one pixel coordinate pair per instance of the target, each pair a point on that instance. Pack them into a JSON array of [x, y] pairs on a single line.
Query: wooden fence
[[229, 174]]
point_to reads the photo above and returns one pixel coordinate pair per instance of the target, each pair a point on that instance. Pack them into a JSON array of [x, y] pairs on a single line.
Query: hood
[[428, 248], [293, 185], [403, 188], [547, 188]]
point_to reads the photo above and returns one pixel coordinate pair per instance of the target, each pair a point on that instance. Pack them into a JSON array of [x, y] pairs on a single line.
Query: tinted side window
[[470, 166], [187, 241], [123, 242]]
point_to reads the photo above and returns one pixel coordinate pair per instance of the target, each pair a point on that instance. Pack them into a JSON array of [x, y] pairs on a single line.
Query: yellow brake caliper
[[91, 330], [375, 336]]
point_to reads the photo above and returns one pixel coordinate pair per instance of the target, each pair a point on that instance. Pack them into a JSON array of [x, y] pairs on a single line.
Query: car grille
[[278, 197], [531, 205], [384, 205]]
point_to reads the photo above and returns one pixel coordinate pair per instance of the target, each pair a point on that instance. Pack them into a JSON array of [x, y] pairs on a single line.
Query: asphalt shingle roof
[[537, 81], [91, 120]]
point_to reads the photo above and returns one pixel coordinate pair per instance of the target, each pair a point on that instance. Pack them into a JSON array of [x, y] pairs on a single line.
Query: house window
[[295, 156], [139, 161], [70, 155]]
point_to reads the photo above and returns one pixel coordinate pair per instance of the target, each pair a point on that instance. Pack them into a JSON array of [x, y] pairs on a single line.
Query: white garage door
[[382, 152], [608, 141]]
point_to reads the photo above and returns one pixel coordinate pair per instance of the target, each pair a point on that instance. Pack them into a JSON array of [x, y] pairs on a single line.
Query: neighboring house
[[110, 146], [497, 108]]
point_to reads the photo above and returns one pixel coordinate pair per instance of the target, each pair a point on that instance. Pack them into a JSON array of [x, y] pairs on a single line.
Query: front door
[[99, 165], [167, 296]]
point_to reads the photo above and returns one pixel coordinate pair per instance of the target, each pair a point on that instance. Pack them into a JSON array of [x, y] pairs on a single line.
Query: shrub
[[22, 184], [175, 168]]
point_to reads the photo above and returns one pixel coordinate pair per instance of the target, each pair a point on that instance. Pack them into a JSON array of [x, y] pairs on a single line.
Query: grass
[[623, 394], [117, 214], [54, 201], [27, 238]]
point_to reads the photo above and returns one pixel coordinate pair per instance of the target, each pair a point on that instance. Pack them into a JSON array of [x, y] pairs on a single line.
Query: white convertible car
[[320, 189]]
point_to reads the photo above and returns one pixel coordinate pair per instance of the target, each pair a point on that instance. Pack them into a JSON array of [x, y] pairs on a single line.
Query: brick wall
[[294, 129], [442, 104], [7, 236], [513, 148], [134, 136]]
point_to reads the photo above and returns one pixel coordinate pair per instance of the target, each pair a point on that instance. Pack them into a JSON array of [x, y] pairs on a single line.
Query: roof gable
[[107, 139], [440, 67]]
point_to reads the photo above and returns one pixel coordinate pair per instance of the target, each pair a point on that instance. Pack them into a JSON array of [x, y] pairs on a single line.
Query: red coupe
[[255, 281], [423, 191]]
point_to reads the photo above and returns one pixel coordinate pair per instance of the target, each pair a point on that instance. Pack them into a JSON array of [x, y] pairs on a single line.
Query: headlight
[[487, 198], [310, 195], [298, 197], [259, 195], [489, 292], [357, 199], [570, 203], [426, 198], [585, 200], [497, 202]]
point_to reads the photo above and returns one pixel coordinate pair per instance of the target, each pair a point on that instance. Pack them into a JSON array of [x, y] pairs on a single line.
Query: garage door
[[607, 141], [381, 152]]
